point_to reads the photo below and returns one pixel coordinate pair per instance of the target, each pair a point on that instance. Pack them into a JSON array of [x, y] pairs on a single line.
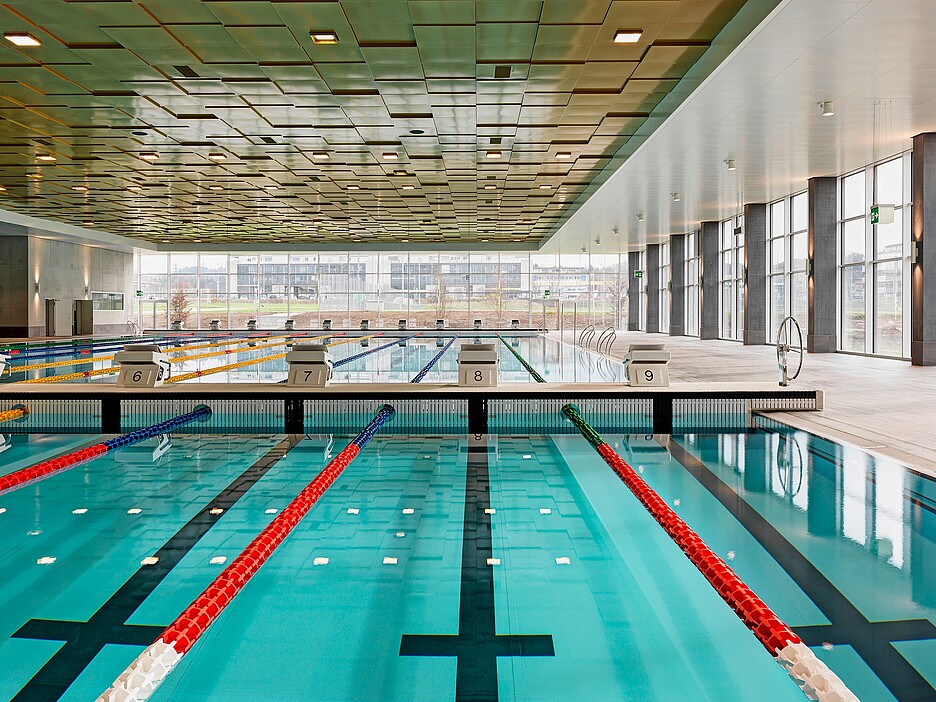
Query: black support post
[[110, 415], [294, 415]]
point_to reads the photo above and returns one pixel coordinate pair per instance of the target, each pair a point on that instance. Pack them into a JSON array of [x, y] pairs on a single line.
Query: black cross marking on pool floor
[[870, 640], [477, 644], [84, 640]]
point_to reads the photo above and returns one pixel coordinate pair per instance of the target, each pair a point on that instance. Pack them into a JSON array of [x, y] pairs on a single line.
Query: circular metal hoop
[[789, 340]]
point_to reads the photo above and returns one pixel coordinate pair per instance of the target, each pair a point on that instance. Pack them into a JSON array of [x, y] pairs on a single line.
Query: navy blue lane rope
[[373, 350], [200, 412], [383, 415], [435, 359], [117, 346]]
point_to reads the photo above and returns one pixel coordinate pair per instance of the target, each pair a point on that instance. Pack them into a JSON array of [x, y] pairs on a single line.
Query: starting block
[[251, 325], [142, 366], [214, 325], [514, 323], [289, 325], [477, 365], [310, 365], [646, 365], [177, 325], [401, 325], [440, 324], [365, 324], [477, 324], [326, 325], [4, 365]]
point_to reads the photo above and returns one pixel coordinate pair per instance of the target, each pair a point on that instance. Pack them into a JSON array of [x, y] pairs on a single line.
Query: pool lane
[[86, 519], [22, 450]]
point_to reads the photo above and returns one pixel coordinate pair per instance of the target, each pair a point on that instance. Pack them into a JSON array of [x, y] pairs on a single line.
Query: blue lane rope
[[373, 350], [435, 359], [200, 412], [76, 350], [384, 414]]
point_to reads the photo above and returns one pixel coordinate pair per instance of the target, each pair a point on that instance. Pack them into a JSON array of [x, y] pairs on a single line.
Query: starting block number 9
[[648, 374]]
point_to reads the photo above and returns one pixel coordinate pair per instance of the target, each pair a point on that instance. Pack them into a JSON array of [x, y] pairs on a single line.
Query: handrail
[[586, 336]]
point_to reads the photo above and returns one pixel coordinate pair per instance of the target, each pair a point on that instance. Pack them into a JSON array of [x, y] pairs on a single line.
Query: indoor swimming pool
[[467, 567], [261, 359]]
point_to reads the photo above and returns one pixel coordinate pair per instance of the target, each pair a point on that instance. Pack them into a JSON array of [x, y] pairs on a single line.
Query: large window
[[873, 263], [383, 288], [693, 266], [663, 294], [731, 278], [786, 252]]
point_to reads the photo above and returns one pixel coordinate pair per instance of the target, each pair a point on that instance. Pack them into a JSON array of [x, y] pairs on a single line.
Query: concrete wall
[[63, 271], [14, 281]]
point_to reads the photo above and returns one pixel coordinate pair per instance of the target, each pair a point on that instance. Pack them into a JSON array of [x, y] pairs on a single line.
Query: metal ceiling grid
[[259, 133]]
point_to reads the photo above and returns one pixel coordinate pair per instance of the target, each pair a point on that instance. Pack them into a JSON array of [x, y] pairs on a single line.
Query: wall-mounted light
[[731, 164], [828, 108], [809, 266], [915, 251], [615, 230], [640, 217], [86, 289], [37, 287]]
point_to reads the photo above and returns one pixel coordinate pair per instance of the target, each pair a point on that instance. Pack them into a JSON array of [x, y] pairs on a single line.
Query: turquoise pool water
[[839, 543], [555, 361]]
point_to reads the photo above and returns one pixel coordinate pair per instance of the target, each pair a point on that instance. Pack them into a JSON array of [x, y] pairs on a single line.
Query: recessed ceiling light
[[277, 240], [545, 187], [354, 187], [323, 36], [271, 187], [390, 156], [485, 241], [564, 154], [400, 173], [215, 187], [676, 197], [217, 157], [45, 157], [494, 154], [490, 187], [88, 223], [21, 39], [79, 188], [149, 156], [409, 187], [167, 241], [196, 241], [2, 188], [138, 133], [627, 36], [321, 155], [134, 187], [34, 176]]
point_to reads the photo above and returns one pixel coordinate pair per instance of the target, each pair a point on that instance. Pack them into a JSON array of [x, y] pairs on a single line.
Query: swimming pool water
[[555, 361], [836, 541]]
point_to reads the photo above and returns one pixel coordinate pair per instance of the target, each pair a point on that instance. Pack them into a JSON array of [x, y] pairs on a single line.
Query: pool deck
[[886, 406]]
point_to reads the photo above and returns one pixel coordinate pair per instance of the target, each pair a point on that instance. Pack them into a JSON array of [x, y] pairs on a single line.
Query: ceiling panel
[[223, 121]]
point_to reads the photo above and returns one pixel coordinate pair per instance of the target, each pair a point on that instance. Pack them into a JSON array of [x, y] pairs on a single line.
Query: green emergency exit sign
[[638, 274], [139, 293], [546, 293]]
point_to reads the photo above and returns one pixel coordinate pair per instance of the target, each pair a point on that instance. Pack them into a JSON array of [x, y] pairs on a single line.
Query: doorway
[[50, 317]]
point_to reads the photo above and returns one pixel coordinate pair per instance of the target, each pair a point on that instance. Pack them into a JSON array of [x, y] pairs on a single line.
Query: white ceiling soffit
[[872, 58]]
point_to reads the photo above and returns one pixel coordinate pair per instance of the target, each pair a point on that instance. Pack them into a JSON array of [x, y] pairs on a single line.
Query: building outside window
[[731, 278], [874, 261]]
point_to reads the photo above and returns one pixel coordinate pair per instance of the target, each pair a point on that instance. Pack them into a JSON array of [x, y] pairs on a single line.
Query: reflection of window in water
[[6, 441]]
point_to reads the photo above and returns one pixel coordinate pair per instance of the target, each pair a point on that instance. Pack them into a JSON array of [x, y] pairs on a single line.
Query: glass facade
[[731, 278], [664, 291], [692, 288], [787, 221], [874, 259], [382, 288]]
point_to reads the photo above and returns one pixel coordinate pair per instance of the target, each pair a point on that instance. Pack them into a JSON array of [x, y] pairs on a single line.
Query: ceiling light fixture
[[2, 188], [409, 187], [149, 156], [21, 39], [323, 36], [45, 157], [215, 187], [564, 154], [321, 155], [196, 241], [676, 197], [828, 108], [34, 176], [79, 188], [134, 187], [545, 187], [731, 164], [489, 186], [627, 36], [354, 187], [494, 154], [390, 156], [217, 157], [88, 223]]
